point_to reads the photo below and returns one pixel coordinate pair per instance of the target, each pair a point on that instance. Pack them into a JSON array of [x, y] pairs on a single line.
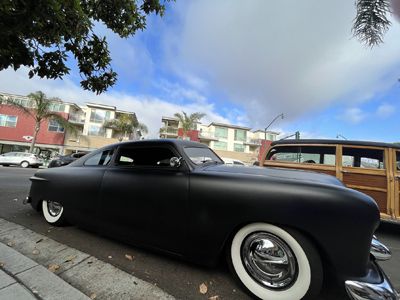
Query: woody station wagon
[[369, 167]]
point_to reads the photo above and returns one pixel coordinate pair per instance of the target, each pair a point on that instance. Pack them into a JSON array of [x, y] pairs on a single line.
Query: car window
[[304, 154], [102, 158], [201, 155], [363, 158], [140, 156]]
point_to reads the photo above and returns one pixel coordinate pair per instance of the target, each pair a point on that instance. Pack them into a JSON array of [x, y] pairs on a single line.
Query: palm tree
[[125, 125], [371, 22], [40, 111], [188, 122]]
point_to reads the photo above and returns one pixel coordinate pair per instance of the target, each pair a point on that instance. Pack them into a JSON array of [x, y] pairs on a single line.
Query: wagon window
[[304, 154], [100, 159], [363, 158], [152, 156]]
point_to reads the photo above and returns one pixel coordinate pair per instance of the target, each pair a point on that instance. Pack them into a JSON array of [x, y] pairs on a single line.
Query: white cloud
[[281, 56], [353, 115], [148, 109], [385, 110]]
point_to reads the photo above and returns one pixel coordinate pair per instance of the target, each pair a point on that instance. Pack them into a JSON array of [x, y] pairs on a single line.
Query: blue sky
[[246, 63]]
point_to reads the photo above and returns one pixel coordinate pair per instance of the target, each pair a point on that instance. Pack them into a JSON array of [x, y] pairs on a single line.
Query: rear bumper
[[384, 290]]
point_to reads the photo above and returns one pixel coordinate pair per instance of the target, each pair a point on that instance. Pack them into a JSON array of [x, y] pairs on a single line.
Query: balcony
[[253, 142], [207, 136], [77, 118], [169, 131]]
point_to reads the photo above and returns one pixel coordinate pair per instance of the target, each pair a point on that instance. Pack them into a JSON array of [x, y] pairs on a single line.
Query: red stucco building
[[16, 131]]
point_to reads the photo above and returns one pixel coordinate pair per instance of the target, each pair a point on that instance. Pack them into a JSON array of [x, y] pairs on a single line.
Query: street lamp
[[340, 136], [266, 128]]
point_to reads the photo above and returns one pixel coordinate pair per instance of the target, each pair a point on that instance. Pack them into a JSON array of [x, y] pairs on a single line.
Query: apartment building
[[16, 128], [230, 141]]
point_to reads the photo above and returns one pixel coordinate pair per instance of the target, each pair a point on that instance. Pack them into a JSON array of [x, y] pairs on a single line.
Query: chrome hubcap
[[269, 260], [54, 208]]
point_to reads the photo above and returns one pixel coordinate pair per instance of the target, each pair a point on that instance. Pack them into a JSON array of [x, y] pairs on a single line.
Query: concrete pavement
[[32, 266]]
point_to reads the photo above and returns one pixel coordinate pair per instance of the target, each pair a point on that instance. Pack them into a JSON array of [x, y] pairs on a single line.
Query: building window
[[220, 145], [95, 130], [99, 116], [57, 107], [240, 135], [221, 132], [24, 102], [238, 147], [54, 126], [8, 121]]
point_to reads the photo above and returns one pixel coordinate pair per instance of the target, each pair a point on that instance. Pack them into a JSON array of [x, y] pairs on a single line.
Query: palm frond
[[371, 21], [142, 127]]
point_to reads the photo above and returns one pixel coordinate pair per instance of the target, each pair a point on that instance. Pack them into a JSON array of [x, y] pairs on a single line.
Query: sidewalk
[[33, 266]]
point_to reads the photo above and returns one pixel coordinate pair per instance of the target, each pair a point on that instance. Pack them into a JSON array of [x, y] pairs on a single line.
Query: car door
[[397, 185], [78, 188], [366, 170], [15, 158], [5, 158], [144, 199]]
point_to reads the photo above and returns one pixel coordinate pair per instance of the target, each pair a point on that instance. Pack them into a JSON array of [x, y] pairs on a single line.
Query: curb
[[46, 269]]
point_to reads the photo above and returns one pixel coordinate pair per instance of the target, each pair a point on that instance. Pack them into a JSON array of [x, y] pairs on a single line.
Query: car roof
[[153, 142], [339, 142]]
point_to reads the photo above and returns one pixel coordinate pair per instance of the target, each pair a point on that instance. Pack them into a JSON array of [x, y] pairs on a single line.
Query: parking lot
[[178, 278]]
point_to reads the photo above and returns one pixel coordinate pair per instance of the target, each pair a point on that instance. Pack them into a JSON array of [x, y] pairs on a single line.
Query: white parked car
[[232, 161], [22, 159]]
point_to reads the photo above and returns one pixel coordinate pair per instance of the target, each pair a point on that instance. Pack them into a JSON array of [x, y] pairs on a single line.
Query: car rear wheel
[[53, 212], [24, 164], [276, 263]]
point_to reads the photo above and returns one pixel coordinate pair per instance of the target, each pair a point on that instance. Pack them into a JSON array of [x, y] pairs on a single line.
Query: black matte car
[[65, 159], [280, 230]]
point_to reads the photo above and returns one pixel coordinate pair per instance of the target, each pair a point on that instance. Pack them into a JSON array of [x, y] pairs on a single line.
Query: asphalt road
[[178, 278]]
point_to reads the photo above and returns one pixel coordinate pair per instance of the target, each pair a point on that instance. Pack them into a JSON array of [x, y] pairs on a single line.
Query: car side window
[[101, 158], [363, 158], [304, 154], [148, 157]]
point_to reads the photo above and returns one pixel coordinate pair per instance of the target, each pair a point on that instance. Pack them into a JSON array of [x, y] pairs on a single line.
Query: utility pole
[[266, 128]]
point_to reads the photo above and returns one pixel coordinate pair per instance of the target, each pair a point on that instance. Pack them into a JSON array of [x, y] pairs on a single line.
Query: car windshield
[[200, 155]]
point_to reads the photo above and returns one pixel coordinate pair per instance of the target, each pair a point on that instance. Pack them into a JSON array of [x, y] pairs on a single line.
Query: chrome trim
[[358, 290], [269, 260], [27, 200], [379, 250], [54, 208], [33, 178]]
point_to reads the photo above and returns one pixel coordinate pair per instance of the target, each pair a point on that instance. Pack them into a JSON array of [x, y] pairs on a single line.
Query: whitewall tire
[[53, 212], [274, 263]]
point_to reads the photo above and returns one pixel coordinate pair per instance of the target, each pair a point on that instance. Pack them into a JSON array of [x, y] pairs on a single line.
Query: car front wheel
[[53, 212], [276, 263]]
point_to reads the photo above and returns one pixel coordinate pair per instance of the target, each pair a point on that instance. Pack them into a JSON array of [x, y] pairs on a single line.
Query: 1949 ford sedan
[[280, 230]]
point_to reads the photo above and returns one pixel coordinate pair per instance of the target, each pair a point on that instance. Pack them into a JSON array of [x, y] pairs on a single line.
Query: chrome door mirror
[[175, 162]]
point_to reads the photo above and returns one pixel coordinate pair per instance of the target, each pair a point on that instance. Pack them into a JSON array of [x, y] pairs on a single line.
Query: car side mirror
[[175, 162]]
